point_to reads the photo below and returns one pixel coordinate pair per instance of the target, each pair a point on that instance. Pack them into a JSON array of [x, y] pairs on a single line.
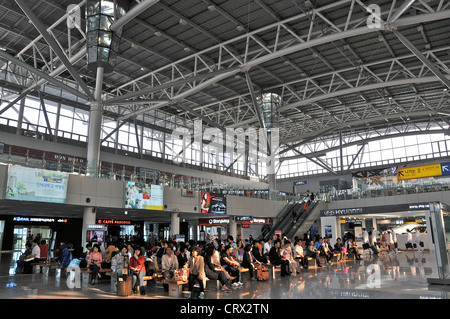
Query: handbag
[[181, 274], [366, 246]]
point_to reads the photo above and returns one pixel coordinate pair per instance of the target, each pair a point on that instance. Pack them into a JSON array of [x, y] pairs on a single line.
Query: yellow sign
[[419, 171]]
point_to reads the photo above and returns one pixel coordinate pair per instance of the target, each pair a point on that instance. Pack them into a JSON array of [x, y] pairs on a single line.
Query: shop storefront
[[245, 226], [18, 230], [340, 223]]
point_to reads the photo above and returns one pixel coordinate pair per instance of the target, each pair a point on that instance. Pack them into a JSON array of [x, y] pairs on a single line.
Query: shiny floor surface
[[402, 276]]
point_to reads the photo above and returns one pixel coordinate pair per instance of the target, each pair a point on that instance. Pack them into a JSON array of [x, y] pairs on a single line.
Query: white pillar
[[95, 126], [89, 218], [175, 224], [233, 227]]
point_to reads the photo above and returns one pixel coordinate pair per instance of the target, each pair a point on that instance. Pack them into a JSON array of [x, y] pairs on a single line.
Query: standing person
[[137, 267], [393, 240], [366, 244], [409, 240], [196, 265], [419, 242], [95, 263]]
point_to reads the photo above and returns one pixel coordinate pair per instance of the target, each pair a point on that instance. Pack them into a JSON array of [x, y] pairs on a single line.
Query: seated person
[[324, 250], [300, 255], [213, 270], [196, 265], [338, 249], [169, 263], [353, 249], [249, 261], [311, 251], [257, 253], [120, 262], [137, 267], [230, 265], [276, 258]]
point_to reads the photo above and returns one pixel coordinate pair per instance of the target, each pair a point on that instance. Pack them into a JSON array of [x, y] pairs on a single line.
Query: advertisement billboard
[[34, 184], [213, 203], [144, 196]]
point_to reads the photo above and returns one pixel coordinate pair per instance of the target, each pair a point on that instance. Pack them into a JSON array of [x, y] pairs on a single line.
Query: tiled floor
[[387, 277]]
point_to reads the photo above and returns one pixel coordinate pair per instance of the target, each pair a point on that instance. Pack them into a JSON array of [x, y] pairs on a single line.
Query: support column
[[233, 227], [175, 224], [95, 126], [89, 218]]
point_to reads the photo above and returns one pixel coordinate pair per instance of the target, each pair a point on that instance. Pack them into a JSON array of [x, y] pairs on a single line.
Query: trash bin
[[124, 285]]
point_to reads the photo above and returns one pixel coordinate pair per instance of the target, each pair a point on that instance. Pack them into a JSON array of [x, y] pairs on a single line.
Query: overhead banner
[[34, 184], [419, 172], [144, 196]]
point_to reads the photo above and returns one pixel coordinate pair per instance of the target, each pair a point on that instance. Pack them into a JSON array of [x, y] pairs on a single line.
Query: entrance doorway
[[24, 234]]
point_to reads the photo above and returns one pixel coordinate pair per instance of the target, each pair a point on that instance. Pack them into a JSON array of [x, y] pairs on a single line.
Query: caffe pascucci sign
[[340, 212]]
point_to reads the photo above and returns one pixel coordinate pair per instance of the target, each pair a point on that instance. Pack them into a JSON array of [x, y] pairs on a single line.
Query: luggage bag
[[262, 273]]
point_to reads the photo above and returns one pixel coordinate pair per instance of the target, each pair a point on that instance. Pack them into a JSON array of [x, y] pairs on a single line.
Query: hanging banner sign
[[419, 172]]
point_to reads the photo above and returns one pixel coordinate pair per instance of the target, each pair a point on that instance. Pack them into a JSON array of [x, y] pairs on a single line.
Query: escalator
[[282, 219], [306, 219]]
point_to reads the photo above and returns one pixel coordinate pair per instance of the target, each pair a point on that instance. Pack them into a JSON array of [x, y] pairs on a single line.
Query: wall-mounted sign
[[187, 193], [300, 183], [213, 221], [375, 209], [144, 196], [39, 219], [114, 222], [243, 219], [34, 184]]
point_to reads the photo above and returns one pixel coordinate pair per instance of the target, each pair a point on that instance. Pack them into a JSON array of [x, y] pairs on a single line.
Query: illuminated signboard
[[114, 222], [38, 185], [144, 196]]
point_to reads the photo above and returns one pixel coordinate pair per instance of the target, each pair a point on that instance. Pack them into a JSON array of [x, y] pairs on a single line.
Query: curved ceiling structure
[[340, 69]]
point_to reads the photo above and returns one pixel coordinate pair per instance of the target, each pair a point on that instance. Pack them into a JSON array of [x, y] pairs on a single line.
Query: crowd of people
[[219, 260]]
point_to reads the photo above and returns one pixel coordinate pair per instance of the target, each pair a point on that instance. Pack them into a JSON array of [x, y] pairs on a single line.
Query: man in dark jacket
[[276, 259]]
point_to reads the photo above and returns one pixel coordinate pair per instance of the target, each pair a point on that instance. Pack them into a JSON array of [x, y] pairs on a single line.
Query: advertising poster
[[218, 204], [213, 203], [144, 196], [39, 185], [205, 202]]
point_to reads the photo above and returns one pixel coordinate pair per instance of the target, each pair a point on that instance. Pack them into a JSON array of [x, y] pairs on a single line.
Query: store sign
[[40, 220], [114, 222], [375, 209], [187, 193], [240, 219]]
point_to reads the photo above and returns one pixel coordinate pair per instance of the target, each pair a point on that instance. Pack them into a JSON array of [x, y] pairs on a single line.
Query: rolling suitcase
[[262, 273], [195, 293]]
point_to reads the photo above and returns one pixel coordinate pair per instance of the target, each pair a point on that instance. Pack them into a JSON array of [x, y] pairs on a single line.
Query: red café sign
[[114, 222]]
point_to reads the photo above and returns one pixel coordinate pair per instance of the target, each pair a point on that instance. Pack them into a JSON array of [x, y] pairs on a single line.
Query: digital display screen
[[144, 196], [34, 184]]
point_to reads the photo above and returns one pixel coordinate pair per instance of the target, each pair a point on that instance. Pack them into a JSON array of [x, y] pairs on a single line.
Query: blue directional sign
[[300, 183], [445, 167]]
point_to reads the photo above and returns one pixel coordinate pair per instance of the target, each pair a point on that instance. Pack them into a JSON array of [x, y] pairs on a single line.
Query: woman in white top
[[409, 240], [418, 241]]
